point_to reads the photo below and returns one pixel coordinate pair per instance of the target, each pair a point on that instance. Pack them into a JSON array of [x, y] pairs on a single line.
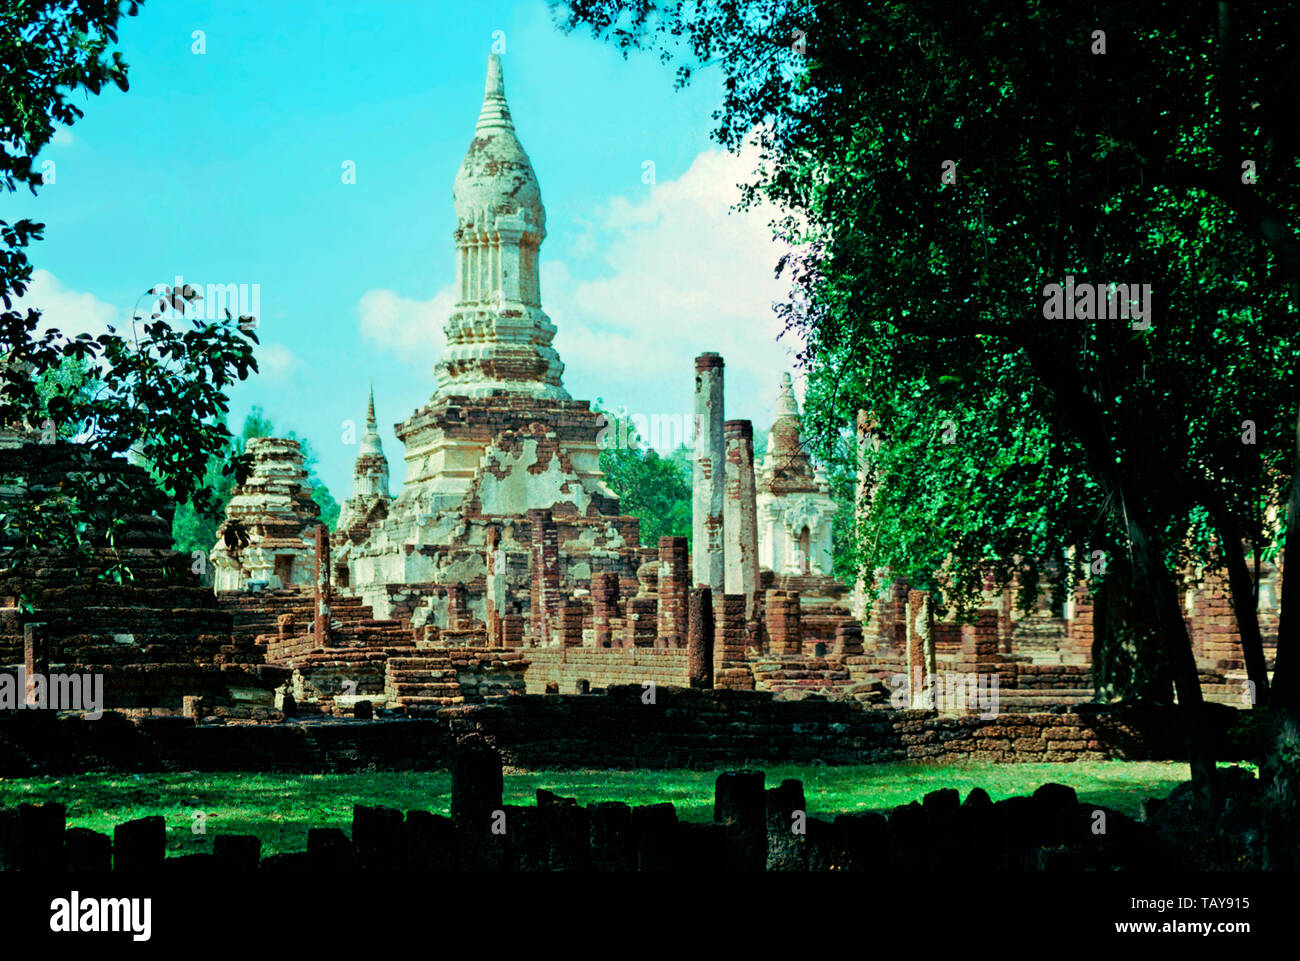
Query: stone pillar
[[674, 586], [979, 643], [729, 666], [604, 607], [888, 615], [1081, 622], [457, 604], [709, 475], [867, 442], [512, 630], [740, 515], [848, 640], [545, 586], [641, 621], [784, 622], [699, 638], [494, 594], [321, 626], [920, 650], [36, 665], [571, 614]]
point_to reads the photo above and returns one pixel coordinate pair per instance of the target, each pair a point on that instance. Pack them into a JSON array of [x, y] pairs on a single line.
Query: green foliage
[[655, 489], [49, 51], [195, 530], [1006, 435], [154, 395]]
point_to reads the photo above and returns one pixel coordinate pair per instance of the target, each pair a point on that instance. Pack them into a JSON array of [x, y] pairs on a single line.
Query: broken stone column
[[740, 515], [476, 782], [784, 622], [979, 643], [512, 630], [674, 587], [321, 627], [848, 640], [729, 667], [36, 665], [457, 607], [920, 650], [545, 586], [709, 475], [641, 622], [494, 594], [699, 638], [740, 804], [571, 614], [604, 607]]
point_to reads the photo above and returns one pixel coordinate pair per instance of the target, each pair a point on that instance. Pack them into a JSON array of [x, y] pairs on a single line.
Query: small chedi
[[275, 510], [795, 508]]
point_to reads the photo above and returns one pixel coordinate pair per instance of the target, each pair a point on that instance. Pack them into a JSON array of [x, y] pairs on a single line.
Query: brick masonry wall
[[605, 668], [680, 728]]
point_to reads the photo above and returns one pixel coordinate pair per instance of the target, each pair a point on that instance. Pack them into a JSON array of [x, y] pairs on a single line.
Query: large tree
[[155, 392], [654, 489], [940, 164]]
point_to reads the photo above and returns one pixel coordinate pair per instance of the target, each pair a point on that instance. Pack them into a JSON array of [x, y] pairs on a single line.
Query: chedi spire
[[498, 336]]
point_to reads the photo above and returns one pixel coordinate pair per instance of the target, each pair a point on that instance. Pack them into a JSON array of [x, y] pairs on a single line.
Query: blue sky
[[226, 167]]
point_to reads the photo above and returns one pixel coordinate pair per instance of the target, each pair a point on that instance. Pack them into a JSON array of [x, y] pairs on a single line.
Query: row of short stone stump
[[755, 828]]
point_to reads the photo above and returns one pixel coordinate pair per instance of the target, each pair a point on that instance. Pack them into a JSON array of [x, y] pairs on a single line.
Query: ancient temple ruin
[[500, 437], [504, 565]]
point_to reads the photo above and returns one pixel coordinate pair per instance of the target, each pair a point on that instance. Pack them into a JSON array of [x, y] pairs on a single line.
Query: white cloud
[[71, 312], [684, 275], [63, 138], [410, 328], [275, 360]]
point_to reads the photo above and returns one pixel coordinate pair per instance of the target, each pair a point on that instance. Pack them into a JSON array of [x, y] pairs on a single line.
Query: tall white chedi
[[498, 336]]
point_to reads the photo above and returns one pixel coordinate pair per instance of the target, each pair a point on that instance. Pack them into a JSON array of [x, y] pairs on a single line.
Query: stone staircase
[[798, 674], [1038, 633], [425, 680]]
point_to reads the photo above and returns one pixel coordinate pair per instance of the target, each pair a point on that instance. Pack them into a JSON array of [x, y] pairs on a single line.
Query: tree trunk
[[1246, 609], [1079, 415], [1179, 656]]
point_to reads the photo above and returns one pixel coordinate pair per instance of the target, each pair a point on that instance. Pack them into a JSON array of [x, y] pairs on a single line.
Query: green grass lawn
[[279, 808]]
